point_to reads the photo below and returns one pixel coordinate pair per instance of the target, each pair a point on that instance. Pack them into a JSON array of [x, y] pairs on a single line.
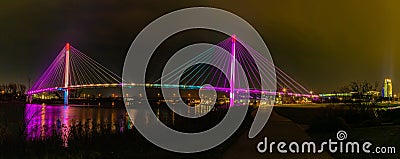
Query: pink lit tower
[[66, 73], [232, 74]]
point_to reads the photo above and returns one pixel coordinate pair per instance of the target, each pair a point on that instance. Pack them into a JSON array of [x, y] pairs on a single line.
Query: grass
[[378, 136], [360, 126]]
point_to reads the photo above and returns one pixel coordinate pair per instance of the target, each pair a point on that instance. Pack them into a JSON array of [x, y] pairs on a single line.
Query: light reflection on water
[[43, 121]]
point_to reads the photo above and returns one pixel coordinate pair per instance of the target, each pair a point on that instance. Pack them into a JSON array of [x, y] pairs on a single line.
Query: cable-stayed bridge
[[72, 69]]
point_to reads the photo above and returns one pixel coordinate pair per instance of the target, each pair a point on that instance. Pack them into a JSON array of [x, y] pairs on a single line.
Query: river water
[[42, 120]]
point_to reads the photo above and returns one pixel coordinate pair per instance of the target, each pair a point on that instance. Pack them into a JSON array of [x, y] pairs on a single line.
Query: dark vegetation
[[12, 92]]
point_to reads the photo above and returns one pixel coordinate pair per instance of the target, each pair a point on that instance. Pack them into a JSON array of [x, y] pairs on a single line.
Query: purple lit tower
[[232, 78], [66, 74]]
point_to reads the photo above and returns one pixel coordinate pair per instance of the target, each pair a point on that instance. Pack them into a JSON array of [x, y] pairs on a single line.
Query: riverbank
[[278, 129], [380, 127]]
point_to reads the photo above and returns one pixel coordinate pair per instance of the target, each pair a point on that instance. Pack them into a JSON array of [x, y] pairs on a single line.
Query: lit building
[[387, 88]]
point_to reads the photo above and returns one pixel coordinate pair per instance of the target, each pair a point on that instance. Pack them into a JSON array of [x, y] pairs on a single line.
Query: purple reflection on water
[[43, 121]]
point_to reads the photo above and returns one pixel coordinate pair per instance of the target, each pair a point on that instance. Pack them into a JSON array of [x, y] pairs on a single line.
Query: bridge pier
[[29, 99], [66, 97]]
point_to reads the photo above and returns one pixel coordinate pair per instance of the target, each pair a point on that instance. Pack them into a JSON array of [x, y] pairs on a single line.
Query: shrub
[[328, 124]]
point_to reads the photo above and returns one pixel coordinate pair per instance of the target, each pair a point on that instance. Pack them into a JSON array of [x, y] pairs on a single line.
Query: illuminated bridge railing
[[336, 95], [189, 87]]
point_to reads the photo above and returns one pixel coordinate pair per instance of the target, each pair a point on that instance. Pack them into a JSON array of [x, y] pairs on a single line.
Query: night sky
[[321, 44]]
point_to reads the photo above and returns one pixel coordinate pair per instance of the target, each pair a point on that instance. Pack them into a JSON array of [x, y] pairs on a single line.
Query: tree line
[[12, 92], [13, 88]]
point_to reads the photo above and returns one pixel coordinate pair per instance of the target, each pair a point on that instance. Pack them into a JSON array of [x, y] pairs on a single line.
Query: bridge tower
[[66, 74], [232, 74]]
